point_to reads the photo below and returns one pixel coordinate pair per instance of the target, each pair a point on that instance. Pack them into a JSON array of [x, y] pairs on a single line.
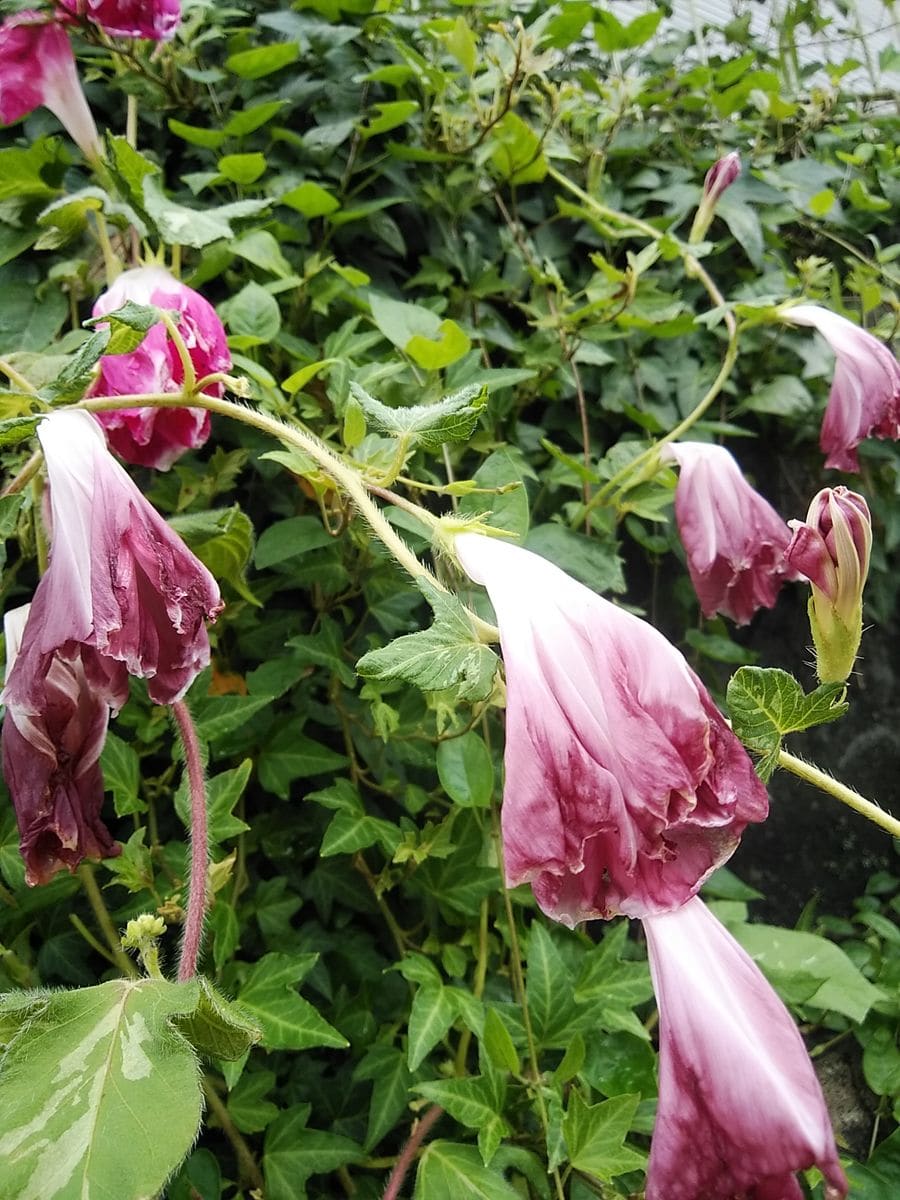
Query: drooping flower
[[733, 538], [865, 393], [832, 548], [155, 20], [720, 176], [51, 763], [625, 786], [740, 1107], [122, 589], [37, 67], [156, 437]]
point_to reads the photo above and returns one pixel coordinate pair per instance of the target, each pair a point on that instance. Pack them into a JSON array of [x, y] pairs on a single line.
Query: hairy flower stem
[[196, 908], [410, 1150], [824, 781], [343, 476]]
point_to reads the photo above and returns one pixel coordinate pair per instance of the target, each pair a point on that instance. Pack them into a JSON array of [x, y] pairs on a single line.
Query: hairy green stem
[[345, 477], [840, 791], [16, 379], [196, 907]]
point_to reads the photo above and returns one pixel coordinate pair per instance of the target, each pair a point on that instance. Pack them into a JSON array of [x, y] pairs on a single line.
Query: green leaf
[[386, 1067], [474, 1102], [222, 538], [879, 1178], [27, 173], [259, 247], [349, 832], [611, 35], [452, 419], [195, 135], [127, 326], [448, 1171], [122, 775], [508, 508], [861, 198], [217, 1028], [594, 561], [242, 168], [310, 199], [17, 429], [448, 655], [30, 319], [294, 1153], [253, 118], [194, 227], [287, 1021], [516, 152], [252, 315], [433, 1012], [291, 755], [765, 703], [289, 539], [222, 793], [447, 346], [214, 716], [91, 1072], [498, 1043], [263, 60], [548, 989], [247, 1105], [387, 115], [465, 770], [595, 1135], [808, 969]]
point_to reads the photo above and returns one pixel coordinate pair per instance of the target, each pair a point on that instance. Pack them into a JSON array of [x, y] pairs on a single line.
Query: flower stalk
[[196, 908], [826, 783]]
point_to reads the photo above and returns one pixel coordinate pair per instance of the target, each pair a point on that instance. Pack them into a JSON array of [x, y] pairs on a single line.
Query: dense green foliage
[[373, 194]]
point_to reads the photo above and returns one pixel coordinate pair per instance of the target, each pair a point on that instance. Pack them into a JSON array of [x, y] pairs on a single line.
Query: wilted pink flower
[[156, 437], [51, 764], [37, 67], [155, 20], [832, 548], [721, 175], [734, 540], [624, 787], [122, 589], [865, 393], [740, 1107]]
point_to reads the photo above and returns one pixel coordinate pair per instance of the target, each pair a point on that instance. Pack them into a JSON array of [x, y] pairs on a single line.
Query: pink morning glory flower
[[37, 67], [156, 437], [740, 1107], [122, 589], [733, 539], [865, 393], [51, 763], [155, 20], [625, 787]]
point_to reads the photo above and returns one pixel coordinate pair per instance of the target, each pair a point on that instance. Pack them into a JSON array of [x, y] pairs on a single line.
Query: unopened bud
[[721, 175], [832, 549]]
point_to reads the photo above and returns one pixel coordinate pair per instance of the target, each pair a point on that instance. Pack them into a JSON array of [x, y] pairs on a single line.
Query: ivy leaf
[[475, 1102], [448, 655], [595, 1135], [452, 419], [89, 1073], [222, 539], [448, 1171], [288, 1022], [765, 703], [293, 1153], [386, 1067]]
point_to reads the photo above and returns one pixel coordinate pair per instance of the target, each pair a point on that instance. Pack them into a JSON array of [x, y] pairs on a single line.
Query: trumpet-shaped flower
[[865, 393], [832, 548], [37, 67], [733, 538], [51, 764], [121, 589], [740, 1107], [155, 437], [625, 786], [155, 20]]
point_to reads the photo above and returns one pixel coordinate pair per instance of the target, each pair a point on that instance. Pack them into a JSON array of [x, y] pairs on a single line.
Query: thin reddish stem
[[410, 1150], [196, 907]]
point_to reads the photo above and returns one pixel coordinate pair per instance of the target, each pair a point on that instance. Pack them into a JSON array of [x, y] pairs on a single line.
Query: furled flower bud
[[625, 787], [156, 437], [122, 589], [51, 762], [740, 1107], [865, 393], [155, 20], [733, 539], [720, 176], [831, 548], [37, 67]]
